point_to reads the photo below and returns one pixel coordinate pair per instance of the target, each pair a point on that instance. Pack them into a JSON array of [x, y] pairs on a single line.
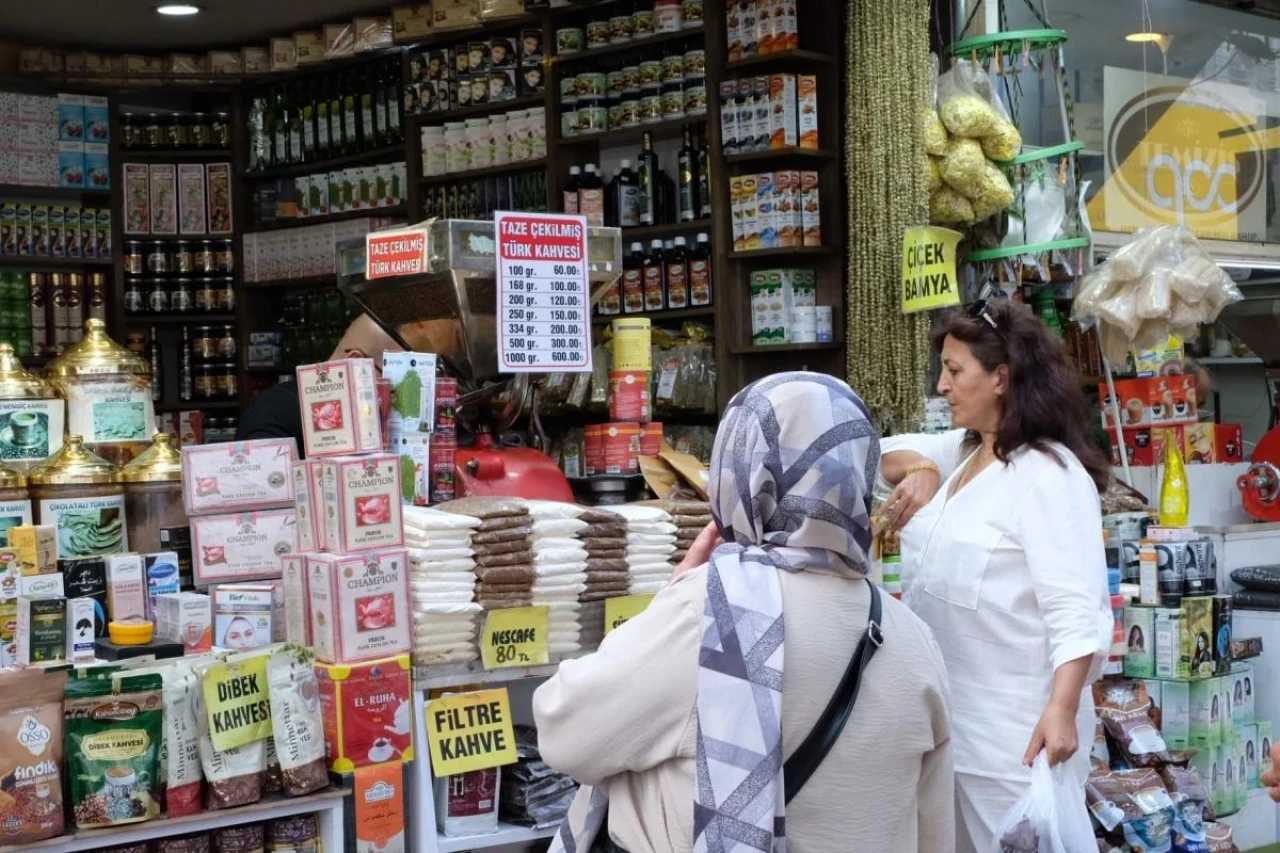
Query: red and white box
[[339, 402], [361, 503], [297, 599], [238, 476], [359, 605], [242, 546], [1213, 443], [308, 489]]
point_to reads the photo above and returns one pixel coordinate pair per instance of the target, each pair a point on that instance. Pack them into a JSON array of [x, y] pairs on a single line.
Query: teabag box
[[41, 631], [242, 546], [361, 503], [126, 587], [308, 491], [339, 402], [297, 600], [368, 712], [237, 476], [359, 605]]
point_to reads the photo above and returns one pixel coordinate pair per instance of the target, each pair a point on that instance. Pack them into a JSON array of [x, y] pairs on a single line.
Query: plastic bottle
[[1175, 499], [677, 274], [655, 285], [591, 196], [633, 280]]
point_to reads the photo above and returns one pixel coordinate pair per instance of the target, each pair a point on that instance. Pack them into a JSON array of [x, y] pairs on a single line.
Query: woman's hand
[[700, 551], [1056, 734], [910, 496]]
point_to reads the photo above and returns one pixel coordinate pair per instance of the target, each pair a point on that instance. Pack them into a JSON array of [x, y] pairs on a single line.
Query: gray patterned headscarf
[[795, 460]]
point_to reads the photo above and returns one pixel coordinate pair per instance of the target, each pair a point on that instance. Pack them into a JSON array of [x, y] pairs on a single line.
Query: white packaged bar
[[307, 490], [339, 402], [361, 503], [242, 546], [238, 476], [359, 605]]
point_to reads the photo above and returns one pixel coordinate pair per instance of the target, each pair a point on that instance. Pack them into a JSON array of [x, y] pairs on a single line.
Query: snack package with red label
[[368, 712]]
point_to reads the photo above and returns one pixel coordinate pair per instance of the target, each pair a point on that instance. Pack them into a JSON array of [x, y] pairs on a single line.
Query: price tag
[[236, 698], [624, 608], [514, 637], [470, 731], [543, 296], [929, 269]]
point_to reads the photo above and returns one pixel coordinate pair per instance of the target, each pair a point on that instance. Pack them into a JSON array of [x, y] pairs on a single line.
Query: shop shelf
[[456, 674], [655, 40], [790, 152], [487, 172], [488, 28], [788, 58], [1230, 361], [507, 834], [160, 155], [177, 319], [1009, 43], [667, 229], [328, 803], [442, 116], [627, 135], [782, 348], [303, 221], [9, 192], [385, 154], [305, 283], [266, 370], [657, 317], [173, 238], [42, 264], [780, 253], [197, 405]]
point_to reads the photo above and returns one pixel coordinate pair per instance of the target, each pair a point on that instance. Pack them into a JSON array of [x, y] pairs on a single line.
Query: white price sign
[[544, 298]]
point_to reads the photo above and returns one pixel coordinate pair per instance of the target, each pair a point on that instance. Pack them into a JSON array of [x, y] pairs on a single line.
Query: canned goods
[[151, 136], [183, 257], [630, 112], [225, 383], [569, 123], [157, 297], [614, 84], [205, 300], [695, 63], [672, 101], [226, 342], [591, 85], [224, 257], [651, 72], [204, 344], [134, 260], [695, 97], [691, 12], [642, 23], [631, 78], [183, 298], [615, 113], [651, 106], [568, 89], [621, 28], [593, 116], [597, 34], [158, 259], [673, 68], [203, 259], [224, 295], [203, 382]]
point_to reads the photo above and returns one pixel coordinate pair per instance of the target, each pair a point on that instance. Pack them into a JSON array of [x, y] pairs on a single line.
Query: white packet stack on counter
[[552, 510], [442, 585], [559, 527]]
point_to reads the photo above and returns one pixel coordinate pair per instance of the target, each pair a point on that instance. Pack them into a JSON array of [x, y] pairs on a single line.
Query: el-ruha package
[[30, 756]]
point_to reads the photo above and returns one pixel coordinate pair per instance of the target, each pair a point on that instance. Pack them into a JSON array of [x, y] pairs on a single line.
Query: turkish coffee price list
[[544, 295]]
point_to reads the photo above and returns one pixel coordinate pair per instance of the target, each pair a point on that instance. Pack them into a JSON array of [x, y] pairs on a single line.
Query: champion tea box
[[359, 605], [339, 402], [232, 477], [361, 503], [242, 546]]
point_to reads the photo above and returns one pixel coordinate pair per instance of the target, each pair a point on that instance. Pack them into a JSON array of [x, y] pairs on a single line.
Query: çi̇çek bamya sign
[[1183, 152], [929, 269]]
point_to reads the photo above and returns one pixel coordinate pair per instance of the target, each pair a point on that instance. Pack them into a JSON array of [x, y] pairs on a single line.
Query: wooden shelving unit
[[487, 172], [660, 317], [303, 221], [786, 60], [383, 154]]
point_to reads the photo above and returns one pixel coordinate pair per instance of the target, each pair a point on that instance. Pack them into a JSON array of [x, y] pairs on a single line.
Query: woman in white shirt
[[1003, 555]]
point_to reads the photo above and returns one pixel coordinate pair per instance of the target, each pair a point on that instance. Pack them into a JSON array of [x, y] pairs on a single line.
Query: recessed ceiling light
[[1144, 37], [178, 10]]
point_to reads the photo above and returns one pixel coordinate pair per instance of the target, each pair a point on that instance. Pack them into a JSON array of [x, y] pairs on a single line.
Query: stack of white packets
[[651, 540], [442, 583], [560, 570]]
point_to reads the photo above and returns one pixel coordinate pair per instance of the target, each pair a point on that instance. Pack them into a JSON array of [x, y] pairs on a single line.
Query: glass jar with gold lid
[[32, 418], [108, 394], [153, 497], [79, 494]]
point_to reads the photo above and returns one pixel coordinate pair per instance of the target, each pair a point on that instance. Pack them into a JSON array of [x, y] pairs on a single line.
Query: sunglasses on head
[[980, 310]]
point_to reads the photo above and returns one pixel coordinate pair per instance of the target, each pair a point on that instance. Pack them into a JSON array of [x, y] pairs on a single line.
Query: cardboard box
[[1221, 634], [360, 605], [454, 14], [41, 631], [1175, 713], [1213, 443], [242, 546], [126, 587], [368, 712], [807, 110], [361, 503], [372, 33], [750, 213], [309, 47], [284, 54], [1156, 400], [40, 586], [87, 578], [1265, 762], [1206, 713], [224, 62], [297, 600], [308, 492], [243, 615], [1242, 691], [1145, 445], [375, 817], [783, 120], [187, 618], [255, 60], [411, 23], [811, 209], [163, 578], [1168, 628], [36, 548], [339, 404], [339, 41], [765, 211], [81, 630], [71, 118], [1195, 660], [1139, 631], [231, 477]]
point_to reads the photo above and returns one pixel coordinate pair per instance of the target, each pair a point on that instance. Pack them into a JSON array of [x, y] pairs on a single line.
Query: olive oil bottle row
[[644, 195]]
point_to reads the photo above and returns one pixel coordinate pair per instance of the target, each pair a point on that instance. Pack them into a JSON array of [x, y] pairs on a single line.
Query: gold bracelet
[[923, 466]]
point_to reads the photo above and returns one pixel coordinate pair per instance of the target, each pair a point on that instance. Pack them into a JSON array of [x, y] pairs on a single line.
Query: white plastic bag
[[1050, 818]]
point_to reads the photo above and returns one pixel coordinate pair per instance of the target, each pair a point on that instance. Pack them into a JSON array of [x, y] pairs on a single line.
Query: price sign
[[516, 636], [470, 731], [929, 269], [624, 608], [544, 323]]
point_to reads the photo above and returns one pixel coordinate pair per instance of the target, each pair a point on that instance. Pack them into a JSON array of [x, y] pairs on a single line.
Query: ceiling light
[[178, 10], [1141, 38]]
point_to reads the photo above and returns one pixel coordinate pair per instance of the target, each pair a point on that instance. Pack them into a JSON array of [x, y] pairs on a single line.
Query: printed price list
[[544, 294]]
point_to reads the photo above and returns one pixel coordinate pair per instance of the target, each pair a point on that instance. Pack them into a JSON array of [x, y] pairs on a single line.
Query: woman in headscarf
[[678, 727]]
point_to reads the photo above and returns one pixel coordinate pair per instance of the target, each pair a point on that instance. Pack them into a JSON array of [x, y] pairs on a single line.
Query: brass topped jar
[[79, 494], [153, 497], [32, 418], [108, 394]]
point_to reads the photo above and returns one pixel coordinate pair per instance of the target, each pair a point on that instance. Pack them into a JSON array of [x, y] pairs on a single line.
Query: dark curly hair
[[1044, 402]]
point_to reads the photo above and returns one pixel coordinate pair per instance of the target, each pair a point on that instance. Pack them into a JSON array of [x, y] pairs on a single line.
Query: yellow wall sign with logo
[[624, 608], [514, 637], [470, 731], [929, 269], [236, 697]]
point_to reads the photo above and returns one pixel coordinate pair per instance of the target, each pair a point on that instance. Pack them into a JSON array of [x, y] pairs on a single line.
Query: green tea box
[[42, 630]]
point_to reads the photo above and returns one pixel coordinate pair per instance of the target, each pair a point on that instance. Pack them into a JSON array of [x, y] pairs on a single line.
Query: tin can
[[673, 68], [593, 116], [642, 23], [593, 449], [633, 345], [597, 34], [570, 40], [614, 107], [630, 112], [569, 123], [650, 72], [691, 14], [621, 28], [568, 90], [591, 84], [695, 63], [651, 106], [695, 96], [629, 395], [134, 258], [672, 101], [631, 79], [621, 448], [615, 83]]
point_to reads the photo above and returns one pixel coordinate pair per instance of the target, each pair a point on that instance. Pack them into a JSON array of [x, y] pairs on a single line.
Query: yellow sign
[[236, 696], [470, 731], [929, 269], [624, 608], [514, 637]]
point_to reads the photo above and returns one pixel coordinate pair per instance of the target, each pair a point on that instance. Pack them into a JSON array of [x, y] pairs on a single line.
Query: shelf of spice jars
[[790, 152], [10, 192], [37, 262], [631, 45], [788, 58], [381, 154], [327, 805], [669, 129], [658, 317], [302, 221], [487, 172], [507, 834]]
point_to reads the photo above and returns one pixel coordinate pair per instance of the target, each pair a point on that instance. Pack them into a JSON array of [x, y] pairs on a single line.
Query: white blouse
[[1010, 573]]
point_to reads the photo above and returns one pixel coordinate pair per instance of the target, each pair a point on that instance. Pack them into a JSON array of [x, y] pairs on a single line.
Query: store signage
[[237, 701], [392, 253], [470, 731], [516, 636], [929, 269], [544, 300], [1183, 152], [623, 608]]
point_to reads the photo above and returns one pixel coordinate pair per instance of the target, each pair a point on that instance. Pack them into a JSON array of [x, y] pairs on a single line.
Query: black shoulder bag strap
[[804, 761]]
